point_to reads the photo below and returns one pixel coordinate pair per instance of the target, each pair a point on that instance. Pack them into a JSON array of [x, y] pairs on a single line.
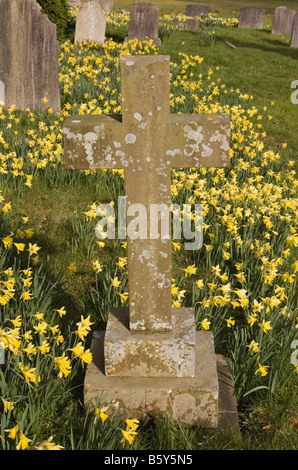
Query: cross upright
[[147, 141]]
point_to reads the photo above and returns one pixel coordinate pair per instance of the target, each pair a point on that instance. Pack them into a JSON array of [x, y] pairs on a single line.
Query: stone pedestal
[[158, 354], [191, 401]]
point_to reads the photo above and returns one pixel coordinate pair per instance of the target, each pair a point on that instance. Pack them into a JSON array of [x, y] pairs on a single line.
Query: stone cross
[[150, 359], [147, 142]]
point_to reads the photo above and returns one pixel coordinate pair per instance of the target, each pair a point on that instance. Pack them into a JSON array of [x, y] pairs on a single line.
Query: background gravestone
[[106, 5], [191, 24], [144, 22], [74, 3], [28, 56], [294, 38], [197, 10], [251, 17], [283, 21], [91, 23]]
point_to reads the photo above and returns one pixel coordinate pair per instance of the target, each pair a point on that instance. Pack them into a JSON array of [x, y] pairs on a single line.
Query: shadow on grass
[[263, 40]]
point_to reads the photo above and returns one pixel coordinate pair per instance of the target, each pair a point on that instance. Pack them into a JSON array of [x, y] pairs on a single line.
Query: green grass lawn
[[222, 6], [262, 65]]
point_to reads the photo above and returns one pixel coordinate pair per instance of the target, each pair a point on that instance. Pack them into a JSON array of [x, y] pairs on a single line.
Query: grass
[[55, 204], [223, 6], [256, 67]]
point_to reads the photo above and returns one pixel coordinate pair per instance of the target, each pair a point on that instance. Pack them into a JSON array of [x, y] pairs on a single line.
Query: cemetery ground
[[58, 279]]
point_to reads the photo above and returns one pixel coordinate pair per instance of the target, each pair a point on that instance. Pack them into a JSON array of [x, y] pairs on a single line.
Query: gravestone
[[91, 23], [74, 3], [197, 10], [294, 37], [191, 24], [106, 5], [28, 57], [251, 17], [283, 21], [144, 22], [150, 358]]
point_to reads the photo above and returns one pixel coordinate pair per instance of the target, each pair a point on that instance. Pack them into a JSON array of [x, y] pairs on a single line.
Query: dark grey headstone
[[28, 56], [197, 10], [251, 17], [294, 38], [144, 22], [283, 21]]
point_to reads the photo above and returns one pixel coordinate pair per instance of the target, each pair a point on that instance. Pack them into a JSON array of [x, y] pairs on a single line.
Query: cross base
[[206, 400], [150, 354]]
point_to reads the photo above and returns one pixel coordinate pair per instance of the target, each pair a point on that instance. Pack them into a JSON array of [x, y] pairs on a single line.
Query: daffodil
[[63, 364], [262, 370], [8, 405], [100, 413], [230, 322], [115, 282], [265, 326], [49, 445], [19, 246], [12, 433], [200, 283], [23, 442], [190, 270], [61, 311], [253, 346], [205, 324]]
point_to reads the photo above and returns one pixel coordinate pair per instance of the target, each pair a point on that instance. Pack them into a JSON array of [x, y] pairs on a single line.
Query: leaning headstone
[[150, 359], [251, 17], [283, 21], [294, 37], [144, 22], [91, 23], [197, 10], [191, 24], [28, 56]]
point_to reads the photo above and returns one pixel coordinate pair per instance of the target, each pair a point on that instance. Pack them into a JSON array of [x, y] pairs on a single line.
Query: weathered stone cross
[[147, 142], [150, 339]]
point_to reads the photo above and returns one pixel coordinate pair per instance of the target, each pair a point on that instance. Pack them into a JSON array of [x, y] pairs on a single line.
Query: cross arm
[[199, 140], [93, 141]]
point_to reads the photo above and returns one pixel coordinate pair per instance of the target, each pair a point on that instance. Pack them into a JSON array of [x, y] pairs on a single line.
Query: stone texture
[[189, 400], [283, 21], [28, 56], [164, 354], [144, 22], [197, 10], [251, 17], [191, 24], [90, 23], [294, 37]]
